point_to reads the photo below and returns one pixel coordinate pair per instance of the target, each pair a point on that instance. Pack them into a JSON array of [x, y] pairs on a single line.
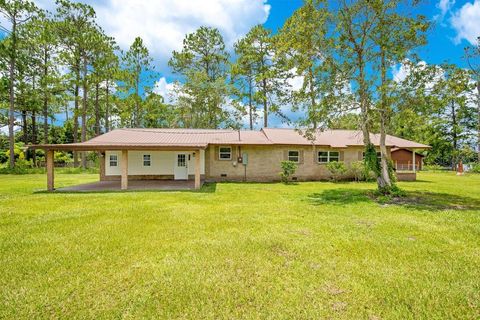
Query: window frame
[[110, 160], [336, 157], [328, 156], [220, 153], [149, 160], [297, 156]]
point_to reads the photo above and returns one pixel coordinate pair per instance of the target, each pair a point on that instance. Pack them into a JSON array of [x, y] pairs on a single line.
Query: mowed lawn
[[241, 251]]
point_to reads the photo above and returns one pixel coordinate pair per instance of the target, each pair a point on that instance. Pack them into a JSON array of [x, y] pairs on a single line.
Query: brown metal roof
[[179, 139], [336, 138]]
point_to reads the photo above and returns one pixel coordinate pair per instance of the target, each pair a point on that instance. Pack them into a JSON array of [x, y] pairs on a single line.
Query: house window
[[113, 159], [147, 160], [225, 153], [323, 156], [333, 156], [328, 156], [181, 160], [293, 156]]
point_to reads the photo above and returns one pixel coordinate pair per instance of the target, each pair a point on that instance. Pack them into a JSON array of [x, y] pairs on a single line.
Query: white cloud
[[162, 24], [465, 22], [164, 88], [402, 70], [444, 6]]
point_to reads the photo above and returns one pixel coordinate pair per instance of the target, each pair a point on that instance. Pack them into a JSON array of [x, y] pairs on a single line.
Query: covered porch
[[150, 185], [406, 163], [126, 181]]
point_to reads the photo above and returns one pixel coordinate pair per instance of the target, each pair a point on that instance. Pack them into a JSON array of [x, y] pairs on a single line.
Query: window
[[181, 160], [113, 159], [147, 160], [323, 156], [334, 156], [293, 156], [225, 153], [328, 156]]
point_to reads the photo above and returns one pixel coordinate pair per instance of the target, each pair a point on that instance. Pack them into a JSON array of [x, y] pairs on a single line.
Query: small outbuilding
[[407, 160]]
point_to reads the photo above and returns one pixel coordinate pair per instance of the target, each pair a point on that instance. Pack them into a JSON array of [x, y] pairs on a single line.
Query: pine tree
[[202, 63]]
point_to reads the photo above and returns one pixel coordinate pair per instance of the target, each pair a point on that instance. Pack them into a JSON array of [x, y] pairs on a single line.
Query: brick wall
[[264, 163]]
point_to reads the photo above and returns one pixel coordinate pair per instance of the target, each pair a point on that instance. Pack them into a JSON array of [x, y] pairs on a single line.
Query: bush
[[63, 158], [475, 168], [337, 169], [356, 170], [288, 169]]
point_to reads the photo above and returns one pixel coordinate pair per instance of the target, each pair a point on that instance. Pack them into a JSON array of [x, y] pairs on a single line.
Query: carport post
[[50, 171], [413, 161], [124, 163], [197, 169]]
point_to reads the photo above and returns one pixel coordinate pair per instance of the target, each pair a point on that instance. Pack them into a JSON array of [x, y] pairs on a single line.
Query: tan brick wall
[[264, 163]]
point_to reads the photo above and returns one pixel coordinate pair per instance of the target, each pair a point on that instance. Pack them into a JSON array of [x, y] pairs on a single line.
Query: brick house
[[219, 155]]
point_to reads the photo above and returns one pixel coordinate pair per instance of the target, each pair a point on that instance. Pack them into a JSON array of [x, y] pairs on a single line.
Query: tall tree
[[257, 50], [105, 67], [136, 65], [395, 34], [42, 44], [242, 77], [454, 108], [16, 12], [72, 22], [304, 49], [373, 35], [202, 63], [472, 55]]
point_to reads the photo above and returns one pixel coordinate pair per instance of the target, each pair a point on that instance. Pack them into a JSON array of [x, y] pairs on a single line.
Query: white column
[[197, 169], [124, 163], [50, 170], [413, 161]]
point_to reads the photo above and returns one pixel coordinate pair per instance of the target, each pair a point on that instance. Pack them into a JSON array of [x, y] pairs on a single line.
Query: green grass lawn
[[306, 251]]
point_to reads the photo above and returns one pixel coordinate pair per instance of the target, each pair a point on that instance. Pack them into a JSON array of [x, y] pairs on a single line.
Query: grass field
[[250, 251]]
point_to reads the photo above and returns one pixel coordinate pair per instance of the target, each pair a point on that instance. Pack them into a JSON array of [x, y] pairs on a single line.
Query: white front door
[[181, 166]]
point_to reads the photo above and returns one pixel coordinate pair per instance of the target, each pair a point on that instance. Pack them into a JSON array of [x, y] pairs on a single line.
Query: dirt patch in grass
[[419, 200]]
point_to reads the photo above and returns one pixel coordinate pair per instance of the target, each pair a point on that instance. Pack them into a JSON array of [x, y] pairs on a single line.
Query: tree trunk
[[137, 107], [250, 102], [107, 125], [25, 127], [11, 110], [454, 136], [265, 105], [97, 110], [312, 112], [383, 180], [363, 99], [75, 111], [478, 120], [45, 98], [34, 137], [84, 110]]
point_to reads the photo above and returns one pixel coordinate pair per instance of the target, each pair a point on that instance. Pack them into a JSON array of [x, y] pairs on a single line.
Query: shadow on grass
[[418, 200], [207, 187]]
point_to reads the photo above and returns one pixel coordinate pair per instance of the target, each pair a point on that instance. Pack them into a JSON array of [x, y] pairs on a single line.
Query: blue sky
[[455, 24]]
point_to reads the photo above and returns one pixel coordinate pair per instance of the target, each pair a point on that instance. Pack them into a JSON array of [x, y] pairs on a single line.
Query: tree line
[[326, 67]]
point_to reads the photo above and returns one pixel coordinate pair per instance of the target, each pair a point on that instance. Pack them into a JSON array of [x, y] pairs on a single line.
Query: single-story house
[[403, 159], [219, 155]]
